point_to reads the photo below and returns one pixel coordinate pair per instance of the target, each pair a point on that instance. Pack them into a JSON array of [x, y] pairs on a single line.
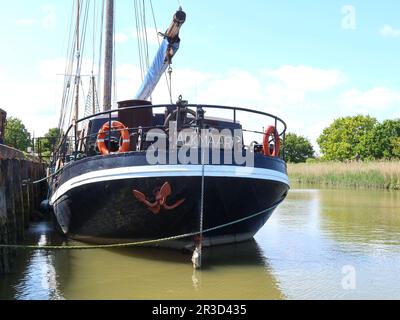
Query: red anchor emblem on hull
[[161, 199]]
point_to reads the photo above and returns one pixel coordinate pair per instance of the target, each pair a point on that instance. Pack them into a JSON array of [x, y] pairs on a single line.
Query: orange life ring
[[271, 131], [115, 126]]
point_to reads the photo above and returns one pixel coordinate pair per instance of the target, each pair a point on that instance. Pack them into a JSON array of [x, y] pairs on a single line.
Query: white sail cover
[[165, 53], [156, 70]]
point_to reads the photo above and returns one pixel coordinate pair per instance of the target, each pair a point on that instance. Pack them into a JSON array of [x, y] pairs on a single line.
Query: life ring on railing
[[267, 150], [115, 126]]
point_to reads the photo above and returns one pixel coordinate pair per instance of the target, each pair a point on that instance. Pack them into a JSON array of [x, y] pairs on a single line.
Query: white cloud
[[233, 88], [265, 91], [32, 102], [37, 102], [121, 37], [51, 68], [128, 72], [128, 80], [56, 67], [305, 97], [305, 78], [26, 21], [389, 31], [377, 98], [293, 89], [47, 20], [152, 35], [49, 16]]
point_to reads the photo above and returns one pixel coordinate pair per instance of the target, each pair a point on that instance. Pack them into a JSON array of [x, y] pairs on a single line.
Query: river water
[[319, 244]]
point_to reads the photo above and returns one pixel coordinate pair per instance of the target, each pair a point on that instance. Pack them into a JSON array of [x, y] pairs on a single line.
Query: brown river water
[[319, 244]]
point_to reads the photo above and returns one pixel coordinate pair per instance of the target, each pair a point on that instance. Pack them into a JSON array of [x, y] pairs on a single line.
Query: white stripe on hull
[[136, 172]]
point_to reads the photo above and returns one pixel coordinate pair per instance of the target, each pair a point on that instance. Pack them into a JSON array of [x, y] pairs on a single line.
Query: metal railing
[[69, 144]]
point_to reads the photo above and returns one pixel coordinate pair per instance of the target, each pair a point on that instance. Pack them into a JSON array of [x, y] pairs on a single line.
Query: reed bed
[[373, 174]]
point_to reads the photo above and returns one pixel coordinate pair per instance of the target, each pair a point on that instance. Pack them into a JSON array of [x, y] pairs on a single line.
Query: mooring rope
[[43, 179], [197, 256], [203, 168], [133, 244]]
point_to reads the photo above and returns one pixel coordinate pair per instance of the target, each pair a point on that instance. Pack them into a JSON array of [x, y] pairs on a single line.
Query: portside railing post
[[284, 146], [76, 139], [109, 131]]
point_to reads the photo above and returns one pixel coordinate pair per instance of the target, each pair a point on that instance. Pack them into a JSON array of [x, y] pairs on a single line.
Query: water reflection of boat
[[237, 271]]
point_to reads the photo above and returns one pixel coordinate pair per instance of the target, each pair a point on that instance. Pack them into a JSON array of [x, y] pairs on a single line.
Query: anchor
[[161, 199]]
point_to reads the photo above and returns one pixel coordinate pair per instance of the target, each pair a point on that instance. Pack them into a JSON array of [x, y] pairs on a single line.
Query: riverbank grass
[[373, 174]]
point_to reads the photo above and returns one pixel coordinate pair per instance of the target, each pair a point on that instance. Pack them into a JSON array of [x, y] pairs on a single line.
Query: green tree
[[396, 147], [345, 138], [46, 144], [383, 142], [298, 149], [16, 135]]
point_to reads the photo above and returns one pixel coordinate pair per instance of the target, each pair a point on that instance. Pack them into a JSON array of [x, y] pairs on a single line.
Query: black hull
[[109, 212], [106, 210]]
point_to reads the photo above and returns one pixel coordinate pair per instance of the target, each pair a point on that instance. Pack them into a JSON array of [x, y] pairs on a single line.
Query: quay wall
[[19, 199]]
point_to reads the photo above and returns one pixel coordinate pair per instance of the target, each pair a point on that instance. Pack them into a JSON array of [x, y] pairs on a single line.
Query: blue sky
[[307, 62]]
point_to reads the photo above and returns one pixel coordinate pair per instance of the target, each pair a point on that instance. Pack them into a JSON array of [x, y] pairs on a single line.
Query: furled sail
[[165, 53]]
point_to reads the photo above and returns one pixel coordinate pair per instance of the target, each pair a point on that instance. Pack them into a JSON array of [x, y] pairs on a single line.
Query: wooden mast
[[108, 54], [78, 54]]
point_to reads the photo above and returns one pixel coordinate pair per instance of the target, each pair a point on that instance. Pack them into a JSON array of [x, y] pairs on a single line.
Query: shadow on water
[[242, 254], [230, 272]]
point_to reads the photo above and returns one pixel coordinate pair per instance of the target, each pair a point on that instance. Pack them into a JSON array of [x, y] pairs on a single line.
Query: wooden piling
[[19, 199]]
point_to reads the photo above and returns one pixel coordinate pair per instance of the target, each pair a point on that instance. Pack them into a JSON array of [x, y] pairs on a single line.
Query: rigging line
[[137, 32], [77, 54], [145, 33], [68, 80], [82, 46], [146, 42], [101, 46], [101, 38], [142, 36], [70, 59], [86, 22], [138, 37], [83, 89], [94, 35], [66, 64], [68, 67], [96, 38], [84, 33], [70, 108], [142, 39], [170, 83], [114, 71]]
